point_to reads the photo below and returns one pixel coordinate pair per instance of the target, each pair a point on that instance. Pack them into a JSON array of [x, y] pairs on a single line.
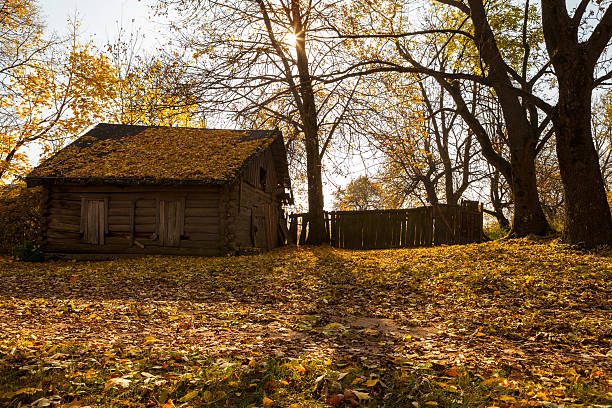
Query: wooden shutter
[[171, 224], [94, 223]]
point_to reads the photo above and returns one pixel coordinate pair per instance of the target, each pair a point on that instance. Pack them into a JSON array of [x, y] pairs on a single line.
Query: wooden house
[[123, 190]]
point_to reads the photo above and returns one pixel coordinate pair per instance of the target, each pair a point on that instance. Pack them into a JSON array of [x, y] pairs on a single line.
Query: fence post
[[293, 229], [304, 233]]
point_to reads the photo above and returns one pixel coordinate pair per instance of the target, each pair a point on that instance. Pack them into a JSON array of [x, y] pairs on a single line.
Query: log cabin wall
[[253, 205], [261, 172], [177, 220]]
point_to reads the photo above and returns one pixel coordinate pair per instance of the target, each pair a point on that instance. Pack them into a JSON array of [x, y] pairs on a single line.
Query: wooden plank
[[340, 229], [170, 238], [91, 225], [120, 211], [355, 231], [70, 212], [203, 236], [202, 203], [370, 233], [75, 236], [202, 220], [162, 234], [304, 231], [157, 217], [119, 219], [102, 220], [59, 226], [139, 212], [348, 231], [418, 227], [132, 223], [410, 230], [194, 228], [104, 217], [141, 204], [65, 204], [288, 238], [333, 233], [139, 219], [293, 228], [83, 221], [202, 212], [399, 219], [139, 228], [181, 217], [429, 226]]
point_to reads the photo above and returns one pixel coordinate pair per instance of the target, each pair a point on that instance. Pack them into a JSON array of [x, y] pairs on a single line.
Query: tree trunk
[[587, 215], [528, 216], [316, 217]]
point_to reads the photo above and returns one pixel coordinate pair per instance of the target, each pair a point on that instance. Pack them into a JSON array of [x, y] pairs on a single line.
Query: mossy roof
[[156, 154]]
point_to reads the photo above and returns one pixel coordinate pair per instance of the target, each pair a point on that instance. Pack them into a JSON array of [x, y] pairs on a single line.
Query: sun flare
[[291, 39]]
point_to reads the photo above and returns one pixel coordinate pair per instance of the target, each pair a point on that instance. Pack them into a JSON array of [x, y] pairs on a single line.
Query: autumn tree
[[426, 148], [262, 60], [573, 55], [149, 89], [455, 37], [360, 194], [50, 88]]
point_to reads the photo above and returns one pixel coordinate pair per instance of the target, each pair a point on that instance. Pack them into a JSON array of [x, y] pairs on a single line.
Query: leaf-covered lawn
[[514, 323]]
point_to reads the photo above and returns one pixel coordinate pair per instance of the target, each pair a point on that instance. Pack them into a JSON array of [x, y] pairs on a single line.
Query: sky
[[100, 19]]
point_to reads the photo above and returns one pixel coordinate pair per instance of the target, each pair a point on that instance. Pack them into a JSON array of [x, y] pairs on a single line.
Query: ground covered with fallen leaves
[[500, 324]]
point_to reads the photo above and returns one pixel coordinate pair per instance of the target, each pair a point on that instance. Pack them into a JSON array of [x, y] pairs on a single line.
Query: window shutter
[[94, 220], [171, 221]]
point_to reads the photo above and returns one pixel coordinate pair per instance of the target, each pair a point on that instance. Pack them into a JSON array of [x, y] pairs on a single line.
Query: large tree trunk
[[316, 216], [528, 216], [587, 215]]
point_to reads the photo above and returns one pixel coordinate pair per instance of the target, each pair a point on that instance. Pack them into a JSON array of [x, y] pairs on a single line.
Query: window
[[262, 178], [94, 223], [171, 221]]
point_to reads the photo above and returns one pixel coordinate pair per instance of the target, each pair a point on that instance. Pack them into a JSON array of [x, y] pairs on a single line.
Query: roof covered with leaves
[[135, 154]]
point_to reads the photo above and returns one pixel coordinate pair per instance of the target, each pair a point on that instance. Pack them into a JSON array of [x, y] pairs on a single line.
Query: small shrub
[[20, 216], [29, 252], [494, 231]]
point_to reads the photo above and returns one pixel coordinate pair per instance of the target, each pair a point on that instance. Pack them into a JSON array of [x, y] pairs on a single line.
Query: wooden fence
[[412, 227]]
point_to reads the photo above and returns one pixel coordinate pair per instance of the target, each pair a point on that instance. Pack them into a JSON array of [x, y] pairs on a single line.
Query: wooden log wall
[[132, 219], [256, 217], [252, 173], [382, 229]]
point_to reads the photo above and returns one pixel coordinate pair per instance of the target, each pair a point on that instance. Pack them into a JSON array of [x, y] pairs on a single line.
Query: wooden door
[[259, 227], [171, 222]]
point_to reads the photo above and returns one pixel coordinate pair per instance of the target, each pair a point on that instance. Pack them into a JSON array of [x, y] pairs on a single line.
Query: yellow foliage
[[50, 91]]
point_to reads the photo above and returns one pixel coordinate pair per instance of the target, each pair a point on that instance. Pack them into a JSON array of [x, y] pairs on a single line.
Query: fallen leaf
[[117, 382]]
